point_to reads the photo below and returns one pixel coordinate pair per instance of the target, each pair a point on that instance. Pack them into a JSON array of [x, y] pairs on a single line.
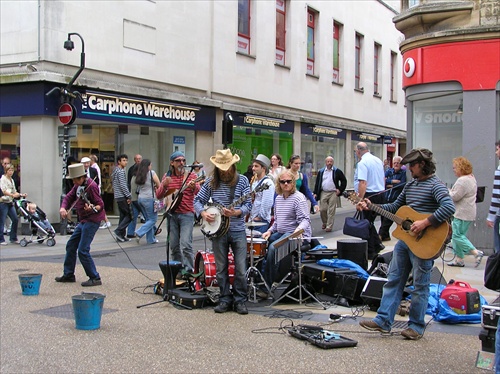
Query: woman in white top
[[276, 166], [147, 182], [463, 194], [7, 207]]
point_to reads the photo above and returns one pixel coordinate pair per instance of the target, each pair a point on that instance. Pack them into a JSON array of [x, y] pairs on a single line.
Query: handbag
[[357, 226], [480, 194], [492, 272], [159, 205]]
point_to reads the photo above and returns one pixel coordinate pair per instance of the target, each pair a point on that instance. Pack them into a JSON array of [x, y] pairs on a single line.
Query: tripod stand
[[300, 287], [252, 271]]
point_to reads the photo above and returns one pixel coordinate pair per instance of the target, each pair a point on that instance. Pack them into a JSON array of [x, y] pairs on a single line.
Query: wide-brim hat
[[263, 160], [224, 159], [75, 171], [417, 154]]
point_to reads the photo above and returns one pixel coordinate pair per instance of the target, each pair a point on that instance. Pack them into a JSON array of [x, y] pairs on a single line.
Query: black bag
[[492, 272], [480, 194], [357, 226]]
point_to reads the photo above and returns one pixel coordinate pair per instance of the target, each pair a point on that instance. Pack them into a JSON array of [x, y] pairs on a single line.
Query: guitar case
[[196, 300]]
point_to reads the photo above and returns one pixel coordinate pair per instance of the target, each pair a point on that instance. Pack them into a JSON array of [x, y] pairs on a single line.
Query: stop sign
[[67, 114]]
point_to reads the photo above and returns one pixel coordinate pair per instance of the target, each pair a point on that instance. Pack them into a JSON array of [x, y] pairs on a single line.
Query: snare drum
[[205, 262], [259, 247]]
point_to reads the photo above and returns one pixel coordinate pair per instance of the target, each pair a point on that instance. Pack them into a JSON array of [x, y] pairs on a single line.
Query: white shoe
[[108, 224], [105, 225]]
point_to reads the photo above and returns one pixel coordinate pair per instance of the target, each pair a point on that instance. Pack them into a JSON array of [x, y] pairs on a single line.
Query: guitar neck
[[241, 199], [377, 209]]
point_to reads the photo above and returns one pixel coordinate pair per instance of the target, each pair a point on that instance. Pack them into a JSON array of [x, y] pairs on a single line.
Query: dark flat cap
[[417, 154]]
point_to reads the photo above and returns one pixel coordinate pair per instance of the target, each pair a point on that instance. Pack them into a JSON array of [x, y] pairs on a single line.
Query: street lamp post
[[68, 96]]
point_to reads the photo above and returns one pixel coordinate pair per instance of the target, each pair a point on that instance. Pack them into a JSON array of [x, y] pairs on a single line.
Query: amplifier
[[489, 316], [323, 278], [372, 291], [487, 337], [461, 297], [349, 287]]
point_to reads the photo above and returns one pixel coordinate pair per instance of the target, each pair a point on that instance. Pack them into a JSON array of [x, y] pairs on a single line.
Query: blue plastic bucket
[[87, 308], [30, 283]]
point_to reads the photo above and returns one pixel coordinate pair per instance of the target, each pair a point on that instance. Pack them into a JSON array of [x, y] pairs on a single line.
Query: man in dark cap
[[426, 194], [181, 216]]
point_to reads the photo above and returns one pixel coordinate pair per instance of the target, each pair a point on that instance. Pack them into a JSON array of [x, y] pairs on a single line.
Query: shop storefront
[[318, 142], [107, 124], [253, 134]]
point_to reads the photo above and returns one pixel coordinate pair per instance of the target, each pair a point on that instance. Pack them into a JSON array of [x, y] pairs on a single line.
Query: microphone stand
[[166, 296]]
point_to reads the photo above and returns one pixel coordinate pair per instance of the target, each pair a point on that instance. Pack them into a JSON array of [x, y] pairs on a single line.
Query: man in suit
[[330, 184], [91, 172]]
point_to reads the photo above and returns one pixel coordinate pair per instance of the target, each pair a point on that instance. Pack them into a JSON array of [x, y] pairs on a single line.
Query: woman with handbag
[[7, 208], [147, 181]]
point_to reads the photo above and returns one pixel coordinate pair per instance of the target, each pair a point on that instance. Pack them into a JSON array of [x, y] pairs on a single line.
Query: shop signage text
[[262, 121]]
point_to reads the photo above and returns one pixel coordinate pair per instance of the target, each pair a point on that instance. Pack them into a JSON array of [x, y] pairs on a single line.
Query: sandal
[[478, 258], [456, 263]]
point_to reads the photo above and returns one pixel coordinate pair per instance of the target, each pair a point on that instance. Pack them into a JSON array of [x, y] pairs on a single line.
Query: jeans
[[238, 242], [125, 217], [181, 239], [461, 244], [8, 210], [403, 261], [136, 209], [147, 208], [271, 267], [80, 242]]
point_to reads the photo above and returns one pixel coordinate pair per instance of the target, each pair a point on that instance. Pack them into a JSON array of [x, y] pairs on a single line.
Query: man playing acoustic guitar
[[424, 194], [181, 209]]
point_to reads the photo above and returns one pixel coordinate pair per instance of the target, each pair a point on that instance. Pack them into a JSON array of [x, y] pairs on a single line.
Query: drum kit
[[256, 249]]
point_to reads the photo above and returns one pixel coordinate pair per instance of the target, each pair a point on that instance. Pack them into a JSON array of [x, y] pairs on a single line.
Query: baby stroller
[[39, 225]]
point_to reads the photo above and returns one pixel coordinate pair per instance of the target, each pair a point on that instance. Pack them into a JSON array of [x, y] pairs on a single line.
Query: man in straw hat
[[225, 186], [85, 198], [426, 194], [264, 200]]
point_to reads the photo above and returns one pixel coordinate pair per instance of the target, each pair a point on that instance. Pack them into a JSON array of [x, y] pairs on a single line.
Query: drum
[[259, 247], [205, 262]]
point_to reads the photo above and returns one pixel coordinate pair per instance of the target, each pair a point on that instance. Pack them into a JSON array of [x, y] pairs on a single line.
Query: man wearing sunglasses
[[291, 214]]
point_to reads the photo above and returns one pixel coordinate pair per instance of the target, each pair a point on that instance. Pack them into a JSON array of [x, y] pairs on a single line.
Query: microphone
[[195, 166]]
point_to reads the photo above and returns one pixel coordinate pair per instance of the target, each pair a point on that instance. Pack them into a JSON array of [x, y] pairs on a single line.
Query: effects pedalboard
[[320, 337]]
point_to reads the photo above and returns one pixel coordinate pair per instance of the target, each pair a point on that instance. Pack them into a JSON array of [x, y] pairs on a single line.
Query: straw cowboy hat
[[223, 159], [75, 171]]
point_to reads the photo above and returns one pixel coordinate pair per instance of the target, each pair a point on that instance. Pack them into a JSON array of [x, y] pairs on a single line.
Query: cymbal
[[255, 224]]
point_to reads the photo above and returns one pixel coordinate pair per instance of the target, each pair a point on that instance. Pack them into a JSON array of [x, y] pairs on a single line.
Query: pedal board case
[[489, 316], [319, 337]]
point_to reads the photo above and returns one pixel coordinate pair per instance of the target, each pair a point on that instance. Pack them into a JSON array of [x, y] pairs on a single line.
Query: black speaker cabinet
[[353, 250], [487, 337], [372, 291]]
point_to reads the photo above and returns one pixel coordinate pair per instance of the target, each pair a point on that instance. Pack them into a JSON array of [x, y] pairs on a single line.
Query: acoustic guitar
[[177, 196], [428, 244]]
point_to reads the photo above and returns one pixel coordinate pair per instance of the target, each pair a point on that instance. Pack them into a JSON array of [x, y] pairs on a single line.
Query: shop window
[[311, 45], [337, 27], [358, 54], [244, 26], [376, 67], [280, 32]]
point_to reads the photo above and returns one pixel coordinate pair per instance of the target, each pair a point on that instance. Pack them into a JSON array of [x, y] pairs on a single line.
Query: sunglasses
[[180, 160], [287, 181]]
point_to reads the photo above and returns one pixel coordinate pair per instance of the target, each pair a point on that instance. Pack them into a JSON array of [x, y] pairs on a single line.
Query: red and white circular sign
[[67, 114]]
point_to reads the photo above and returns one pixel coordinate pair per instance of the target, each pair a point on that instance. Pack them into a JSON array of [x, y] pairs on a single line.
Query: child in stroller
[[39, 224]]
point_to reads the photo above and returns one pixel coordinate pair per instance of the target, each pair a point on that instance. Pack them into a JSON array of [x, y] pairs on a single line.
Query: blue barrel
[[30, 283], [87, 308]]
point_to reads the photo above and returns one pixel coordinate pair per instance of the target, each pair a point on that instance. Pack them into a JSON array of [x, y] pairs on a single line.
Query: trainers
[[411, 334], [223, 307], [14, 241], [3, 243], [66, 278], [103, 226], [478, 258], [119, 237], [92, 282], [240, 308], [373, 326], [459, 264]]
